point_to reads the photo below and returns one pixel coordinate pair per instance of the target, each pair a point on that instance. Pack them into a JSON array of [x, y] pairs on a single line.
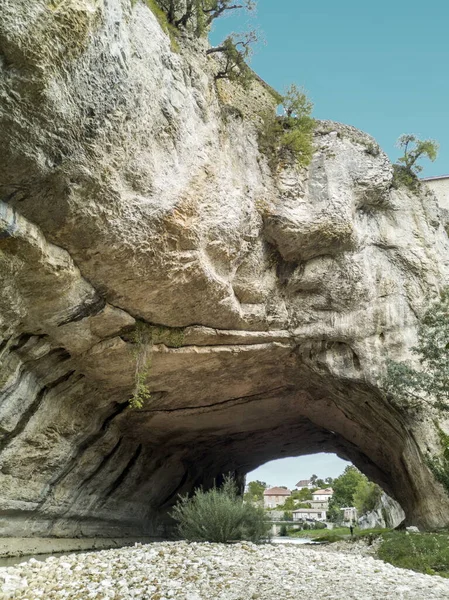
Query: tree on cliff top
[[406, 169], [200, 13]]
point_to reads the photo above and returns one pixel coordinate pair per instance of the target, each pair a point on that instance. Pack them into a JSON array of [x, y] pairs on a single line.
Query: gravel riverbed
[[187, 571]]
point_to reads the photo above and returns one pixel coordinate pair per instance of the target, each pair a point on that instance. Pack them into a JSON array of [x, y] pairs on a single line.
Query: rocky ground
[[161, 571]]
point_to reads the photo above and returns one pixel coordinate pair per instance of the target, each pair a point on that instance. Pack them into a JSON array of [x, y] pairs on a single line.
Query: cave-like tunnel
[[77, 460], [147, 245]]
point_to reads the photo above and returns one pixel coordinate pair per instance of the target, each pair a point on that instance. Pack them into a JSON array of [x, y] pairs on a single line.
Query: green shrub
[[403, 177], [290, 134], [422, 552], [405, 171], [219, 515], [283, 532]]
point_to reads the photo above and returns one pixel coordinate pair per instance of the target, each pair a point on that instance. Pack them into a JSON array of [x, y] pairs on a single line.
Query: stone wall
[[440, 187]]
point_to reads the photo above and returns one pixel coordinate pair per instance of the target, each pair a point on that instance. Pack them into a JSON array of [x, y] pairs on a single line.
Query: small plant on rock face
[[142, 354], [406, 169], [291, 133], [219, 515]]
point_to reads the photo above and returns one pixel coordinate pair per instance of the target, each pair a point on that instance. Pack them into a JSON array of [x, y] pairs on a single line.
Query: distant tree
[[320, 483], [406, 169], [329, 480], [255, 491], [302, 495], [313, 479], [366, 496], [344, 488]]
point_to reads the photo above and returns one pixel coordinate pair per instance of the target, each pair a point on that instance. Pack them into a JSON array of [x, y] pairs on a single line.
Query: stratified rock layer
[[138, 217]]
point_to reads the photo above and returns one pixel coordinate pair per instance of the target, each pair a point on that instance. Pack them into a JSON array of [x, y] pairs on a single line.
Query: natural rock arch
[[271, 301]]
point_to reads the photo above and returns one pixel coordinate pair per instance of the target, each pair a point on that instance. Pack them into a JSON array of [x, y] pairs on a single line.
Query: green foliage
[[407, 168], [431, 382], [295, 103], [283, 531], [411, 388], [173, 337], [289, 134], [219, 515], [197, 15], [236, 51], [142, 346], [402, 177], [414, 149], [288, 516], [345, 486], [255, 491], [352, 488], [302, 495], [366, 496], [142, 339], [422, 552], [439, 465]]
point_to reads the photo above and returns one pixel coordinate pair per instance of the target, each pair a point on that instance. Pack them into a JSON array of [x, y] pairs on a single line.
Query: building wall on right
[[440, 187]]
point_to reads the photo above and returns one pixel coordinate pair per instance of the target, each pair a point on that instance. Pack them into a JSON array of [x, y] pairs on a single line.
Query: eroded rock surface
[[134, 200]]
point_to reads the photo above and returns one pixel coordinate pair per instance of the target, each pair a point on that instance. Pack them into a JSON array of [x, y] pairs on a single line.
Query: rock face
[[388, 513], [138, 218]]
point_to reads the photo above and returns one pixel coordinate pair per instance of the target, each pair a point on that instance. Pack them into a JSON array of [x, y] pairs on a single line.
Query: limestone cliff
[[134, 197], [387, 513]]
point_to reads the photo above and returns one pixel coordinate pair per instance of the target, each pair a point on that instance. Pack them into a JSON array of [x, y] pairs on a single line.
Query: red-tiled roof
[[277, 491], [329, 491]]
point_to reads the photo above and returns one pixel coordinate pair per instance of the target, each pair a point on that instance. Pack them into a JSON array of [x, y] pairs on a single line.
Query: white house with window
[[304, 484], [322, 495], [309, 514]]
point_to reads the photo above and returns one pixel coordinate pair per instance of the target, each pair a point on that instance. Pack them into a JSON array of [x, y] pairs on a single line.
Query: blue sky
[[288, 471], [380, 66]]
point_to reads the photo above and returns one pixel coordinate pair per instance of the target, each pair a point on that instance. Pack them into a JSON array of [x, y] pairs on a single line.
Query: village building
[[349, 513], [275, 497], [304, 484], [309, 514], [440, 187], [322, 495], [320, 499], [324, 504]]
